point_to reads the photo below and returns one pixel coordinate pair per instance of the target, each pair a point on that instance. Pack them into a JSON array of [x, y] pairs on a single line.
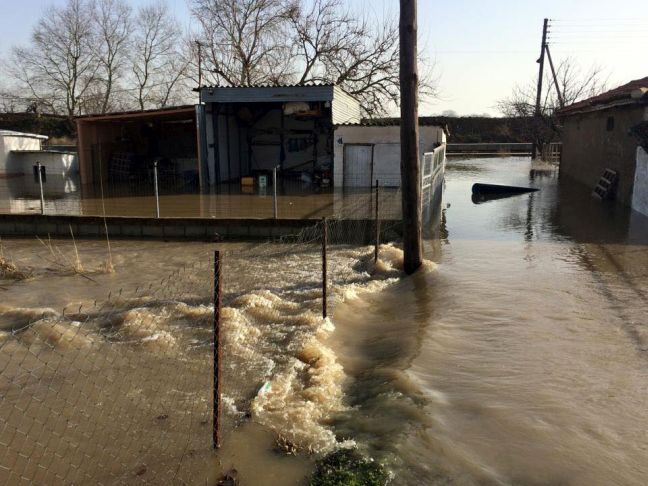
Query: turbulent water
[[517, 355]]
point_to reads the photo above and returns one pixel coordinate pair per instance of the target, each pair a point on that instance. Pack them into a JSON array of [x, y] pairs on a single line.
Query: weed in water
[[347, 467]]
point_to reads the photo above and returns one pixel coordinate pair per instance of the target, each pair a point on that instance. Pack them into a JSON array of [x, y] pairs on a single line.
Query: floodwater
[[517, 355], [65, 195]]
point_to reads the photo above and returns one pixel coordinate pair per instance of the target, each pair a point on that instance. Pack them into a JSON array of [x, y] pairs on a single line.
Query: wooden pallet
[[606, 186]]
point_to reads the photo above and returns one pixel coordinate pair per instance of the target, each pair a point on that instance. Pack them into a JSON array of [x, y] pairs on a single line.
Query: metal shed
[[249, 130]]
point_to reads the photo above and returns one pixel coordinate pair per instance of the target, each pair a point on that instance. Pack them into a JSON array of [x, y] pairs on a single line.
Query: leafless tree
[[112, 20], [245, 41], [60, 65], [280, 41], [574, 83], [157, 66]]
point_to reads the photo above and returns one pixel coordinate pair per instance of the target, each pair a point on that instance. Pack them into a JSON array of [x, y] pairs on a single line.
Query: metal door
[[358, 165]]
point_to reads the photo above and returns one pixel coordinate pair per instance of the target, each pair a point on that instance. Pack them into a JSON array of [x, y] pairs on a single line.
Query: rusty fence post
[[324, 266], [157, 192], [377, 227], [216, 422], [39, 171]]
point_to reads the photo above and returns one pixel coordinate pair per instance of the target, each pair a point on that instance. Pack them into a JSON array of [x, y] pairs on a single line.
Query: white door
[[357, 165]]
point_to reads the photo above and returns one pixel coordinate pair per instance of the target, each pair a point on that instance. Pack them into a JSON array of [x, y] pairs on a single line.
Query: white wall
[[386, 142], [640, 189], [11, 142], [56, 163]]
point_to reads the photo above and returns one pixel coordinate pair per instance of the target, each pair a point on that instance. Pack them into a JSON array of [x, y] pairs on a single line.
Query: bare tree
[[60, 65], [157, 65], [280, 41], [112, 20], [245, 40], [574, 83]]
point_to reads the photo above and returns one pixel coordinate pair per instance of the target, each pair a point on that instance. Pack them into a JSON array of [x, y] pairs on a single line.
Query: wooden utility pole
[[409, 132], [538, 114]]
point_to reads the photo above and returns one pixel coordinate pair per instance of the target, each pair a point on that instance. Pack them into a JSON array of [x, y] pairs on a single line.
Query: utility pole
[[409, 132], [199, 45], [537, 114]]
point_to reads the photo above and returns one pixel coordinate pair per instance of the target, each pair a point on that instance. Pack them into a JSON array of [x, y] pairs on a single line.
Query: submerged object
[[488, 192], [498, 189]]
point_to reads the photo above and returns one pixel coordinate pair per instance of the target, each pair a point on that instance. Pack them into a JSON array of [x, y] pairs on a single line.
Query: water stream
[[517, 355]]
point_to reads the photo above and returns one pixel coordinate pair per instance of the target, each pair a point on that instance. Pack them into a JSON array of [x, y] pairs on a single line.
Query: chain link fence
[[119, 388]]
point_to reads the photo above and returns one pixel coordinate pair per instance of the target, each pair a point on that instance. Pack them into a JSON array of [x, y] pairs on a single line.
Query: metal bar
[[377, 227], [155, 184], [555, 78], [275, 210], [216, 404], [540, 61], [39, 169], [324, 266]]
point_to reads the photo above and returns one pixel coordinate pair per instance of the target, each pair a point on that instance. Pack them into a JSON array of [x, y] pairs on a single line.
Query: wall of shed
[[640, 192], [9, 164], [346, 109], [386, 142], [589, 147], [242, 149]]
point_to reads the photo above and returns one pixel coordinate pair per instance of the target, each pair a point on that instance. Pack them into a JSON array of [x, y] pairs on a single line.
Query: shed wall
[[589, 147], [386, 143], [9, 143], [640, 193]]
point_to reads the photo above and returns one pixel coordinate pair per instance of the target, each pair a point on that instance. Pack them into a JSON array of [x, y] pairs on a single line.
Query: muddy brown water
[[517, 355]]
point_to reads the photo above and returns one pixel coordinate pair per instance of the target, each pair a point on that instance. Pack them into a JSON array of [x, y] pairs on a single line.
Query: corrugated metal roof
[[394, 122], [264, 85], [11, 133], [135, 113], [624, 93]]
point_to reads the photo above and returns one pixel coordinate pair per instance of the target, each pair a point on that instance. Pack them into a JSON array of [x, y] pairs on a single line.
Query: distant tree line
[[98, 56]]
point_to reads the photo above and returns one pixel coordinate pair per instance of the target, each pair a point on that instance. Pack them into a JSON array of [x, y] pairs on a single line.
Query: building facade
[[598, 134]]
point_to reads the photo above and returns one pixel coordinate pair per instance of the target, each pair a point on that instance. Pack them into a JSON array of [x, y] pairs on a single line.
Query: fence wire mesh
[[107, 382], [66, 195]]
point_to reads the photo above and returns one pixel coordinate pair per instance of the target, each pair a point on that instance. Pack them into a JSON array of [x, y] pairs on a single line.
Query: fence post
[[39, 170], [324, 266], [274, 193], [216, 404], [155, 184], [377, 227]]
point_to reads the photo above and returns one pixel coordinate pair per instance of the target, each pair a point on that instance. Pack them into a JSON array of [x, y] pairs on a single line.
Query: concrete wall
[[11, 143], [386, 142], [640, 192], [589, 147], [56, 163]]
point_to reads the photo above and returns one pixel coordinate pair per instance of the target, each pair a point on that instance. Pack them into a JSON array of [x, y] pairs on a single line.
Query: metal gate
[[358, 165]]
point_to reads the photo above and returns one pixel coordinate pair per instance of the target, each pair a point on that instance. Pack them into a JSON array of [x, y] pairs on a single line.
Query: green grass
[[347, 467]]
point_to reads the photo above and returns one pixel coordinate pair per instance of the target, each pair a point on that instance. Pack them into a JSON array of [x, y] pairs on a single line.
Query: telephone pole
[[537, 114], [409, 132]]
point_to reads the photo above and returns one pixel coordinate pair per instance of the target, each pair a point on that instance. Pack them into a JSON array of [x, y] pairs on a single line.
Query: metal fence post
[[274, 192], [155, 184], [324, 266], [39, 170], [377, 227], [216, 403]]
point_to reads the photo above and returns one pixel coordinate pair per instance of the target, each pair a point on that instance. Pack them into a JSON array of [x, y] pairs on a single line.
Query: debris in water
[[229, 479], [348, 467], [489, 192]]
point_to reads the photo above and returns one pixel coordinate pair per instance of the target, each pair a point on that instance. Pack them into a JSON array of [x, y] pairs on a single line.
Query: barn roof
[[630, 93]]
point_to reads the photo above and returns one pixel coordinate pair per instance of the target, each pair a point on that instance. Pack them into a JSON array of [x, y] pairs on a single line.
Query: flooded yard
[[517, 355]]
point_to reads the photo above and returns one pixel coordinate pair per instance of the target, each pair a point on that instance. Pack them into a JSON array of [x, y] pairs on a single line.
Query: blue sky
[[481, 48]]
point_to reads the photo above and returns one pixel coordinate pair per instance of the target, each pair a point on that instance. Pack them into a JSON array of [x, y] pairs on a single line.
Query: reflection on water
[[295, 199], [528, 361], [519, 357]]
